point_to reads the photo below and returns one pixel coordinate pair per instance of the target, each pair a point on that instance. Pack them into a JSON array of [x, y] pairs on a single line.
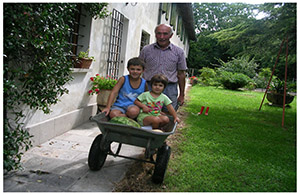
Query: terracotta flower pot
[[102, 97], [83, 63]]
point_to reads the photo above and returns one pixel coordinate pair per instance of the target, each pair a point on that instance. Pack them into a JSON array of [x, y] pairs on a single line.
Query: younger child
[[127, 88], [151, 103]]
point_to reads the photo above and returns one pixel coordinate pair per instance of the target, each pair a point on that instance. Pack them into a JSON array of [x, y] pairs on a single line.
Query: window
[[145, 39], [80, 34], [115, 44]]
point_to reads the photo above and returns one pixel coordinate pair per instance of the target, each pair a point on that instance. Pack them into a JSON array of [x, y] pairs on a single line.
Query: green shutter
[[179, 25], [182, 32], [173, 16], [166, 10]]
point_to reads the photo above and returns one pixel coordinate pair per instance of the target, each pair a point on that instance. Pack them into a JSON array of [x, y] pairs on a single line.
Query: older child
[[127, 88], [151, 103]]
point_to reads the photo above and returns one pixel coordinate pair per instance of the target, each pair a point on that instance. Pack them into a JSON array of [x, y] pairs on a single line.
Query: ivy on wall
[[36, 64]]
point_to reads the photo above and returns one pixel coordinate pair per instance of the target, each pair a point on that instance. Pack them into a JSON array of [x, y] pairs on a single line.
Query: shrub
[[241, 64], [251, 85], [208, 76], [233, 81], [262, 79], [292, 86]]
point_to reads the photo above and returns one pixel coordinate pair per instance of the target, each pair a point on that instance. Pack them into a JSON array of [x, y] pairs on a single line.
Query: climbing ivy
[[36, 64]]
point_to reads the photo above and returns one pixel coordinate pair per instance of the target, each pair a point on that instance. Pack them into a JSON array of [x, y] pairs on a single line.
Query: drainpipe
[[159, 14]]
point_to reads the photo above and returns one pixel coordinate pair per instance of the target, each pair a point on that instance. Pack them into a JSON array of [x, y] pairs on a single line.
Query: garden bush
[[261, 80], [208, 76], [233, 81], [241, 64]]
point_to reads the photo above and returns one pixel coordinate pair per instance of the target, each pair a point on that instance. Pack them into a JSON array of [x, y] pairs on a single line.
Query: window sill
[[80, 70]]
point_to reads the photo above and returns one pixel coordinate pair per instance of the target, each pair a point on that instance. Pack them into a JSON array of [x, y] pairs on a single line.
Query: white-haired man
[[163, 57]]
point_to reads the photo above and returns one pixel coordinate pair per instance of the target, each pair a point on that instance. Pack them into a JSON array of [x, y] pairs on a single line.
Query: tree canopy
[[212, 17], [227, 30]]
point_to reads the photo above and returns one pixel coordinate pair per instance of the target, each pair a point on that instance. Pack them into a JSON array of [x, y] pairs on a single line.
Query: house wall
[[77, 106]]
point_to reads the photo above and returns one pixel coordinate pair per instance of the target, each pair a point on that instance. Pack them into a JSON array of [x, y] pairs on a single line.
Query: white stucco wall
[[138, 17]]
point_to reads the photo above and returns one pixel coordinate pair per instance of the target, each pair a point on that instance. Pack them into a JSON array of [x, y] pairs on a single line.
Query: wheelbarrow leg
[[147, 152]]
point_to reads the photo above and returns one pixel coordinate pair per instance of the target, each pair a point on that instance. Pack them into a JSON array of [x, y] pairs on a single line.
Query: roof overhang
[[186, 12]]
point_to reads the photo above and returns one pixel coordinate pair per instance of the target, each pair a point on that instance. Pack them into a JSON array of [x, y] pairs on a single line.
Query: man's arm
[[181, 83]]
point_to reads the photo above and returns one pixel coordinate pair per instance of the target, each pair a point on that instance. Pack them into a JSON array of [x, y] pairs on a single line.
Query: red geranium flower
[[99, 83]]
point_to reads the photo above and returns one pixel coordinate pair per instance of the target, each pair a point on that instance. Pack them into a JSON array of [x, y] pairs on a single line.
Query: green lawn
[[236, 148]]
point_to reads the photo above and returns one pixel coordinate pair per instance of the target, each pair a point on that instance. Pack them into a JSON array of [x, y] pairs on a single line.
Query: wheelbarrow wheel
[[97, 156], [162, 159]]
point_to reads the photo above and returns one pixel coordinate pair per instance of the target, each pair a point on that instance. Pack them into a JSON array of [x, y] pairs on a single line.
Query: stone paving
[[60, 165]]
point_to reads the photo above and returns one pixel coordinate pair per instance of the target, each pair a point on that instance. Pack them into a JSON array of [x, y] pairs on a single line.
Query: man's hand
[[180, 100]]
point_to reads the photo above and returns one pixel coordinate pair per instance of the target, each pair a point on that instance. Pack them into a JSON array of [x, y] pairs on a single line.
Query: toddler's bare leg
[[152, 120], [164, 120], [156, 121]]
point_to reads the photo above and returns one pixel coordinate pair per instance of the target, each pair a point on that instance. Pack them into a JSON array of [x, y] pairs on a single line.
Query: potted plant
[[276, 93], [193, 80], [101, 86], [84, 60]]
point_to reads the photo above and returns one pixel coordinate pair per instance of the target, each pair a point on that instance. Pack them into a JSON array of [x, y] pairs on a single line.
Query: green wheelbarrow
[[152, 141]]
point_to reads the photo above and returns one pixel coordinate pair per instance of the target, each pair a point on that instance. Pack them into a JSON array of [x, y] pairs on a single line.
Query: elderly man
[[163, 57]]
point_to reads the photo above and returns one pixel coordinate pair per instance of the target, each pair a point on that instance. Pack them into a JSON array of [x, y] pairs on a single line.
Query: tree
[[261, 39], [282, 23], [205, 52], [213, 17], [238, 33], [242, 39]]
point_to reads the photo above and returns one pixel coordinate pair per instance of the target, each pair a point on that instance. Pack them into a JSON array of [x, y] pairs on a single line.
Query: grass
[[236, 148]]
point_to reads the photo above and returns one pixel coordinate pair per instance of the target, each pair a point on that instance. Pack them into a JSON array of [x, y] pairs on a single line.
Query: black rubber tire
[[97, 156], [162, 159]]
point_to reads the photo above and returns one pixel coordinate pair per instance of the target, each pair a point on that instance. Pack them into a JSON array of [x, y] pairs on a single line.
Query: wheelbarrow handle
[[175, 125]]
